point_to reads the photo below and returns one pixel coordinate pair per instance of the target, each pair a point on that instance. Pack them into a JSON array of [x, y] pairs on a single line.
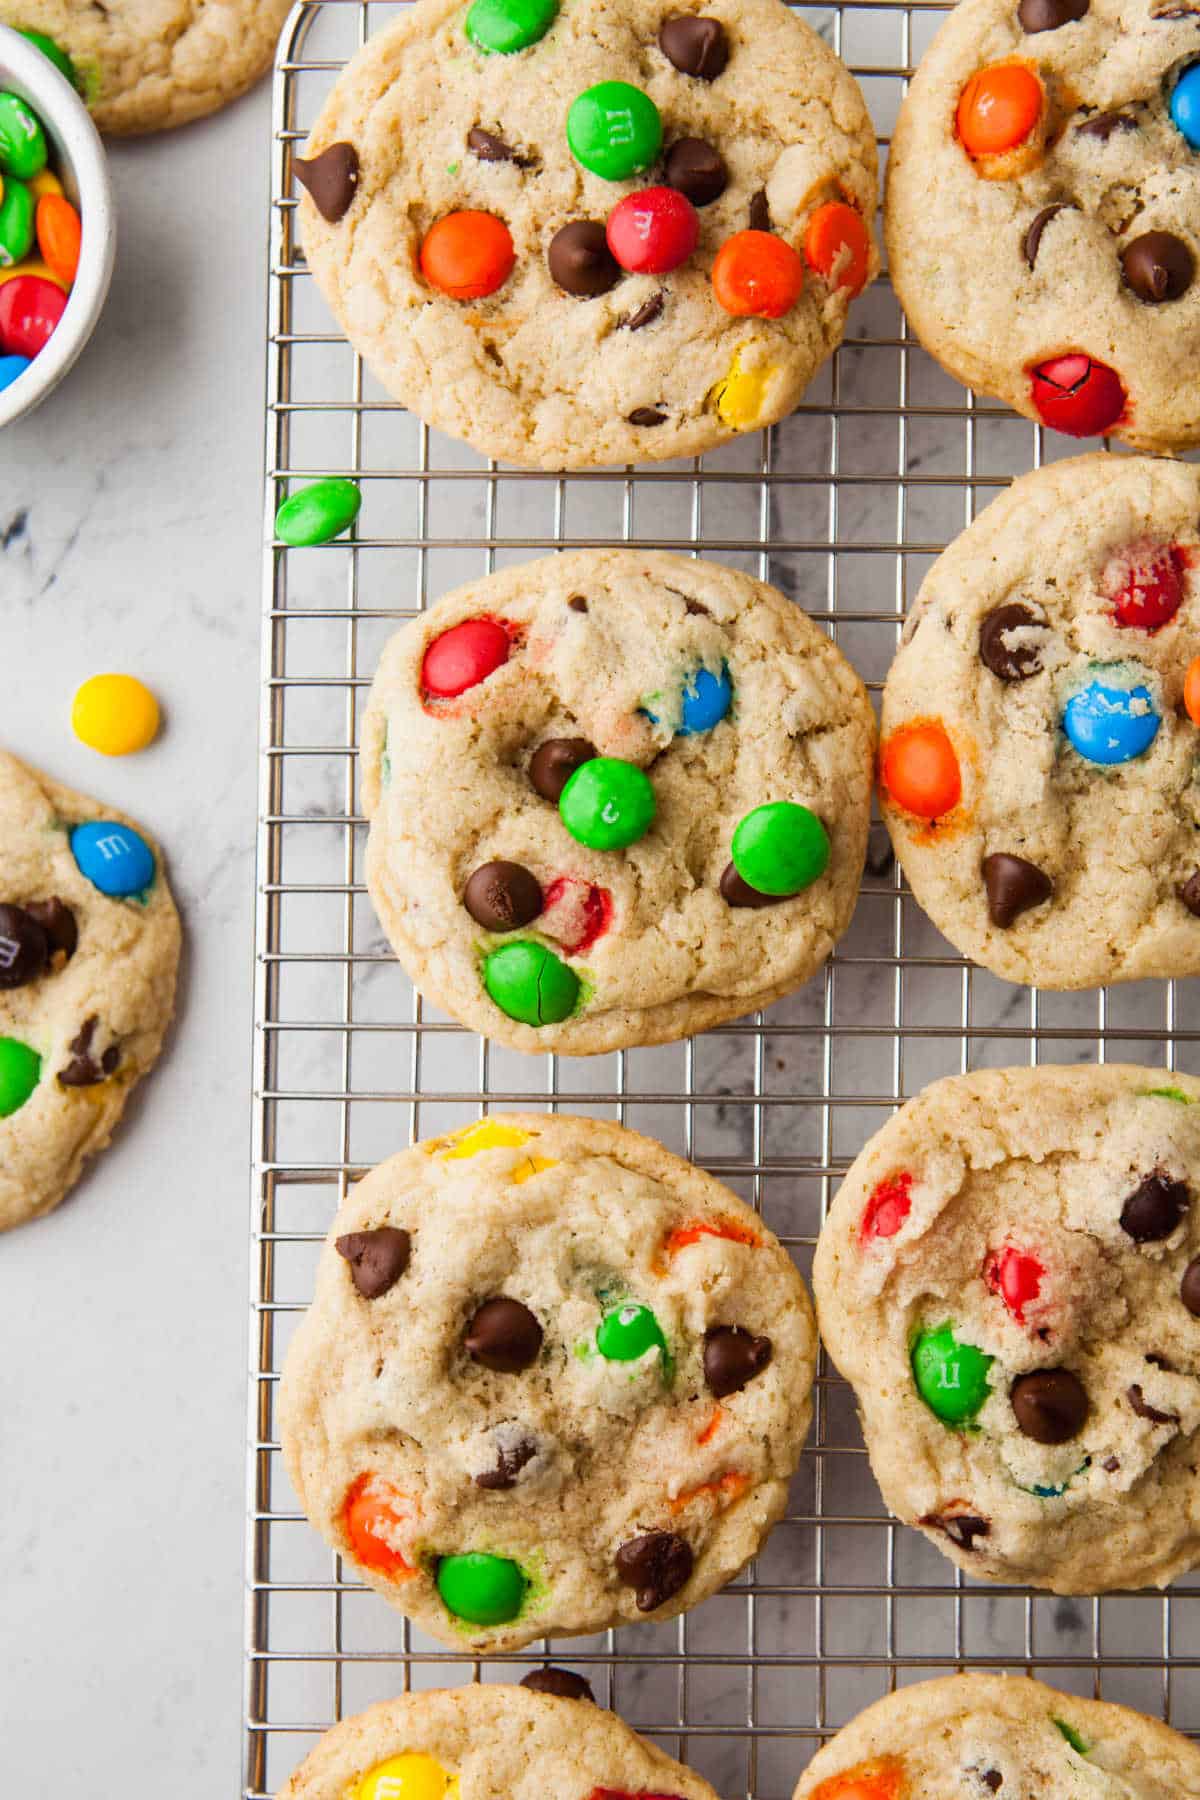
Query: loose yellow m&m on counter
[[408, 1777], [115, 714]]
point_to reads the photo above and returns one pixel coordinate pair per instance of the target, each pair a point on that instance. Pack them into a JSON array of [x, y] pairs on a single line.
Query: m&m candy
[[1016, 1275], [951, 1377], [757, 275], [882, 1778], [318, 513], [704, 702], [30, 311], [1151, 589], [115, 714], [529, 983], [20, 1072], [1185, 105], [467, 255], [501, 27], [114, 858], [374, 1515], [628, 1333], [464, 656], [53, 52], [59, 236], [837, 245], [411, 1776], [10, 368], [1108, 724], [16, 222], [607, 804], [888, 1206], [1077, 395], [919, 768], [482, 1589], [614, 130], [999, 109], [739, 399], [780, 848], [1191, 690], [23, 150], [652, 232]]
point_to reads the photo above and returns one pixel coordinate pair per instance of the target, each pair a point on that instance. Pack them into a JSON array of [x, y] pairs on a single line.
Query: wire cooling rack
[[843, 506]]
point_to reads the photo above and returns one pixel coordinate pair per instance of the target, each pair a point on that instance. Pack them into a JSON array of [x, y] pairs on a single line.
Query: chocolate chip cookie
[[1010, 1279], [624, 232], [89, 944], [1041, 724], [1043, 211], [554, 1379]]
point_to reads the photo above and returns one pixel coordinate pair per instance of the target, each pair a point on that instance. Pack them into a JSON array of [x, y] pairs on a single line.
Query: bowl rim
[[25, 70]]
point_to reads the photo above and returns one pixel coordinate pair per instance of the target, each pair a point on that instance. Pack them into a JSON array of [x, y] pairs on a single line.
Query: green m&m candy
[[528, 982], [23, 150], [780, 848], [498, 27], [607, 804], [484, 1590], [54, 53], [951, 1378], [17, 208], [628, 1332], [20, 1072], [614, 130], [318, 513]]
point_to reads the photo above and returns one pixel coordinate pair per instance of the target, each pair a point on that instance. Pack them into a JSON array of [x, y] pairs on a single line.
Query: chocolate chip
[[1010, 661], [1103, 125], [58, 922], [696, 46], [503, 1335], [760, 212], [580, 260], [1111, 1464], [564, 1684], [1158, 1361], [1144, 1410], [490, 148], [577, 603], [696, 170], [1158, 266], [1032, 241], [377, 1258], [736, 892], [1048, 15], [1189, 893], [331, 178], [646, 313], [1189, 1287], [647, 415], [992, 1778], [695, 610], [24, 947], [733, 1356], [509, 1463], [960, 1527], [84, 1070], [1154, 1209], [1050, 1404], [554, 762], [501, 896], [657, 1565], [1013, 886]]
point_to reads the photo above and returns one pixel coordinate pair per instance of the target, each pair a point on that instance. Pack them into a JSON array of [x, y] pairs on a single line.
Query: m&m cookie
[[1043, 212], [1041, 727], [1000, 1734], [615, 798], [554, 1379], [478, 1742], [89, 944], [1009, 1278], [626, 232]]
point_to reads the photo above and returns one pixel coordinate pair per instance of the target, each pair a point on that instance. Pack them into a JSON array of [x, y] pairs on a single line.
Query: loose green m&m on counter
[[628, 1332], [607, 804], [54, 53], [528, 982], [614, 130], [20, 1072], [23, 151], [780, 848], [318, 513], [483, 1589], [951, 1378], [499, 27]]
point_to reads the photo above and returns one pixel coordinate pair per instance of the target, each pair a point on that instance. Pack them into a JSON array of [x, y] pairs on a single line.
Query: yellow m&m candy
[[740, 398], [114, 714], [486, 1134], [408, 1777]]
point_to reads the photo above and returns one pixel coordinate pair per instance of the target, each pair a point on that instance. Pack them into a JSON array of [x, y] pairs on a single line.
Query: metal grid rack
[[843, 506]]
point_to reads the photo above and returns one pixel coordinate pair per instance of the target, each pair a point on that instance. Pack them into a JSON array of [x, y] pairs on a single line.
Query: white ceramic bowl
[[79, 160]]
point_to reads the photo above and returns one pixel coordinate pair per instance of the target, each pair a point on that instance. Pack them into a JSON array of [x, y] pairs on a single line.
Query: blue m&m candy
[[1110, 724], [10, 368], [113, 858], [704, 703], [1185, 105]]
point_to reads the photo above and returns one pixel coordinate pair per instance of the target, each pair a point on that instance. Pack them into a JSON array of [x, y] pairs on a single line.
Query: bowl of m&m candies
[[56, 220]]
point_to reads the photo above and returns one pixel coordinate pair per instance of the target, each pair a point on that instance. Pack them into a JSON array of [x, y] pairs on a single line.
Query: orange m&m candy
[[837, 245], [757, 275], [59, 233], [1191, 690], [880, 1779], [467, 255], [998, 109], [920, 770], [373, 1513]]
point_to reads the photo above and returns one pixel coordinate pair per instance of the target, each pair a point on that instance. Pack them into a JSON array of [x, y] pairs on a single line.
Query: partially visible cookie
[[144, 65], [1043, 212], [616, 797], [974, 1737], [554, 1379], [89, 944], [489, 1743], [1038, 765], [1009, 1277]]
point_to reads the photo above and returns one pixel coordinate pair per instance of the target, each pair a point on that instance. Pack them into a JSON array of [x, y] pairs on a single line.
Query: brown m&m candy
[[503, 1335], [1154, 1209], [694, 45], [377, 1258], [658, 1565], [1013, 885], [580, 260], [502, 896], [1010, 657], [697, 170], [331, 178], [24, 947], [1049, 15], [1158, 266], [733, 1356], [554, 762], [1050, 1405]]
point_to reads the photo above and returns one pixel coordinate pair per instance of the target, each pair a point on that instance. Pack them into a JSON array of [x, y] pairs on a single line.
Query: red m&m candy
[[467, 255], [1149, 589], [888, 1206], [654, 231], [1078, 395], [463, 657], [1016, 1276], [837, 245], [30, 309], [757, 275]]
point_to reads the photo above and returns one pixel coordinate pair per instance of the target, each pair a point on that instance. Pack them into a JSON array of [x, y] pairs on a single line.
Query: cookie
[[623, 232], [1043, 211], [1009, 1277], [144, 65], [1037, 770], [615, 797], [983, 1735], [481, 1743], [554, 1379], [89, 943]]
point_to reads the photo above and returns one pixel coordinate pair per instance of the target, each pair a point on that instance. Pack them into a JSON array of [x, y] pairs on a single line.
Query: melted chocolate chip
[[1158, 1361], [961, 1528], [577, 603], [1154, 1209], [736, 892], [1032, 241], [83, 1070], [1048, 15], [502, 896], [1189, 1287], [564, 1684], [1010, 661], [1013, 886], [490, 148], [554, 762], [992, 1778], [695, 46], [696, 170], [377, 1258], [760, 211], [58, 922], [695, 609], [1050, 1405], [1144, 1410], [24, 947], [503, 1335], [331, 178], [509, 1463], [1158, 267], [646, 313], [733, 1356], [647, 415], [1189, 893], [1103, 125], [1111, 1464], [580, 260], [657, 1565]]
